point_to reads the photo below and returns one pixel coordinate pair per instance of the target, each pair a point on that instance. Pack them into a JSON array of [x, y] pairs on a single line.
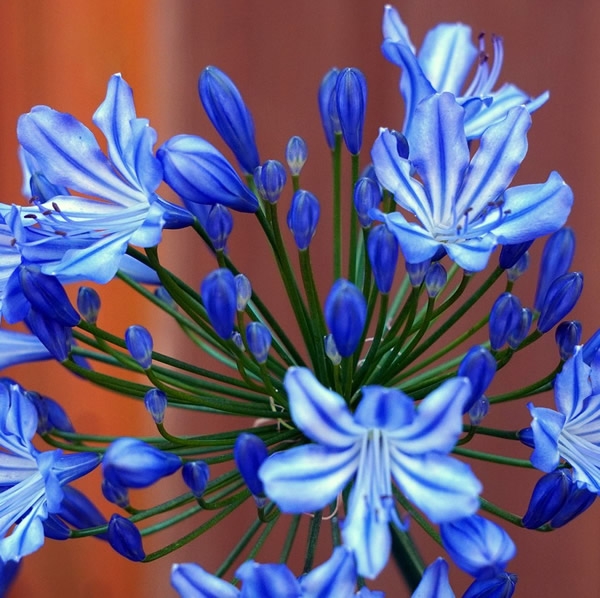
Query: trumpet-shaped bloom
[[463, 204], [85, 237], [385, 438], [30, 481], [572, 431], [443, 63]]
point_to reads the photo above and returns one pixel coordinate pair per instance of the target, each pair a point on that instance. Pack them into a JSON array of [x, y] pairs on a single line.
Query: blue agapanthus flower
[[444, 63], [85, 237], [572, 431], [30, 480], [463, 204], [386, 438]]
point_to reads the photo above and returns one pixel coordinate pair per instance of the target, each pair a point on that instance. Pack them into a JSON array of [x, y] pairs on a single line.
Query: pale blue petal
[[546, 425], [138, 271], [501, 151], [318, 412], [18, 420], [572, 386], [416, 243], [19, 347], [584, 456], [472, 255], [306, 478], [434, 583], [27, 536], [531, 211], [393, 27], [384, 408], [447, 55], [267, 581], [191, 581], [335, 577], [441, 486]]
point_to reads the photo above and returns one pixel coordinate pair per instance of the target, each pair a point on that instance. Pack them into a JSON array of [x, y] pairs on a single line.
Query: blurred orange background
[[62, 52]]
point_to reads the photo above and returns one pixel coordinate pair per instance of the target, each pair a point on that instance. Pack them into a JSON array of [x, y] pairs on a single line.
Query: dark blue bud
[[382, 248], [218, 226], [139, 344], [88, 304], [479, 409], [579, 500], [435, 279], [303, 217], [199, 173], [58, 339], [401, 144], [118, 495], [519, 268], [479, 367], [511, 254], [568, 336], [125, 538], [220, 300], [259, 340], [132, 463], [270, 179], [346, 315], [556, 261], [243, 290], [526, 437], [416, 272], [250, 452], [55, 529], [51, 416], [79, 511], [548, 497], [331, 350], [500, 585], [504, 317], [296, 154], [155, 401], [367, 195], [229, 115], [351, 102], [519, 332], [329, 118], [560, 299], [195, 475]]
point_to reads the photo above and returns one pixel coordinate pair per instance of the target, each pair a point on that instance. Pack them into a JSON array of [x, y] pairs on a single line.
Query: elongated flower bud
[[548, 497], [303, 217], [195, 475], [229, 115], [220, 301], [139, 344], [346, 315], [367, 195], [58, 339], [500, 585], [382, 249], [331, 350], [327, 108], [259, 340], [218, 226], [118, 495], [79, 511], [504, 317], [296, 154], [435, 279], [479, 367], [511, 254], [270, 179], [132, 463], [250, 452], [416, 272], [518, 268], [519, 332], [125, 538], [243, 291], [567, 336], [560, 299], [88, 304], [351, 101], [155, 401]]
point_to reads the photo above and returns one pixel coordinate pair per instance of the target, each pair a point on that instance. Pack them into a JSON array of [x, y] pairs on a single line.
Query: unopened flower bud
[[270, 179], [139, 344], [367, 195], [155, 401], [250, 452], [416, 272], [511, 254], [504, 317], [219, 297], [331, 350], [435, 279], [195, 475], [118, 495], [243, 291], [351, 101], [568, 336], [125, 538], [382, 249], [88, 304], [478, 410], [303, 217], [259, 340], [479, 367], [561, 297], [548, 497], [218, 226], [327, 109], [519, 332], [519, 267], [296, 154]]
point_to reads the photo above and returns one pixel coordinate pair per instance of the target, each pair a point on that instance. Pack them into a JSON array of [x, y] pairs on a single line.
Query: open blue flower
[[385, 438], [463, 203], [30, 480], [443, 63], [85, 237], [572, 431]]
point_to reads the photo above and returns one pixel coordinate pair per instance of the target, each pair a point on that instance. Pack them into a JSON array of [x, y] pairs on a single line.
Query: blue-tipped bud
[[568, 336], [511, 254], [519, 332], [303, 217], [125, 538], [562, 295], [118, 495], [382, 248], [243, 291], [250, 452], [270, 179], [548, 497], [367, 195], [139, 344], [218, 226], [479, 409], [331, 350], [199, 173], [556, 260], [416, 272], [351, 102], [238, 341], [195, 475], [259, 340], [296, 154], [155, 401], [220, 301], [519, 268], [435, 279], [346, 315], [132, 463], [504, 318], [479, 367], [88, 304], [327, 108], [229, 115], [500, 585]]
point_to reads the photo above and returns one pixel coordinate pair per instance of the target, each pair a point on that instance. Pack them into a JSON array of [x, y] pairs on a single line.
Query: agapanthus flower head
[[460, 206], [386, 438]]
